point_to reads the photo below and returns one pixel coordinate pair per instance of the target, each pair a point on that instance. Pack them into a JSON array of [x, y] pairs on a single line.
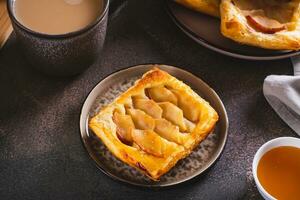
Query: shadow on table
[[21, 86]]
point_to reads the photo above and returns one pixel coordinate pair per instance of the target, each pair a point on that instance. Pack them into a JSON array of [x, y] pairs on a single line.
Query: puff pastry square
[[270, 24], [155, 123]]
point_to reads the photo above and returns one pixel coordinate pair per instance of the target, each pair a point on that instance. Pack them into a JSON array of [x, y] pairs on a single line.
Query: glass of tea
[[276, 169], [60, 37]]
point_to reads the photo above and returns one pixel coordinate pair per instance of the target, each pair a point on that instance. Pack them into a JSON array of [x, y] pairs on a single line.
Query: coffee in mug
[[56, 17]]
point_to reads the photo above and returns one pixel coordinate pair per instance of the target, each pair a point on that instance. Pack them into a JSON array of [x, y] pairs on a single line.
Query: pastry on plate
[[210, 7], [270, 24], [155, 123]]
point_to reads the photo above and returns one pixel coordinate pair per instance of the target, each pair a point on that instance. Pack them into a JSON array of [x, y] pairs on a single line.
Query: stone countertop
[[41, 153]]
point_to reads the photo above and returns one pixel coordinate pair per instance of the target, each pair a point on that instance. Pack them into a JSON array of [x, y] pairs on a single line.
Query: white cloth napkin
[[283, 94]]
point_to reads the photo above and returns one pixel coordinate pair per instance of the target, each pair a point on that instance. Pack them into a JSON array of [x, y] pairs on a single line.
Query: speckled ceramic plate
[[205, 30], [193, 165]]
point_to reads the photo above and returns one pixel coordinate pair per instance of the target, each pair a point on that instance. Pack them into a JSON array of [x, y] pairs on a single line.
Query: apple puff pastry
[[155, 123], [210, 7], [270, 24]]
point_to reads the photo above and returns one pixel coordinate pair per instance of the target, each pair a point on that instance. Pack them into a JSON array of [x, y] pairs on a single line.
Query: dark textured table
[[41, 154]]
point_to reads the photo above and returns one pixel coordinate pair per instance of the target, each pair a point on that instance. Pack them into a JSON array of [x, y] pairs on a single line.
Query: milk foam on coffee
[[57, 16]]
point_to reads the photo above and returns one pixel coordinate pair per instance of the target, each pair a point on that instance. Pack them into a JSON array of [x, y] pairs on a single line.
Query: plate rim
[[83, 125], [217, 49]]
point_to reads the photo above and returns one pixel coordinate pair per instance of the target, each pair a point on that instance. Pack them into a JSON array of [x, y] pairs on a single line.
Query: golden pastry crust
[[210, 7], [157, 140], [235, 26]]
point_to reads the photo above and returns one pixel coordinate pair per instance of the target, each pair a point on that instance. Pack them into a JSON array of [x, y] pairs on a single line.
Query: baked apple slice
[[148, 106], [149, 142], [264, 24], [141, 120], [168, 131], [161, 94], [188, 106], [125, 126], [174, 114]]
